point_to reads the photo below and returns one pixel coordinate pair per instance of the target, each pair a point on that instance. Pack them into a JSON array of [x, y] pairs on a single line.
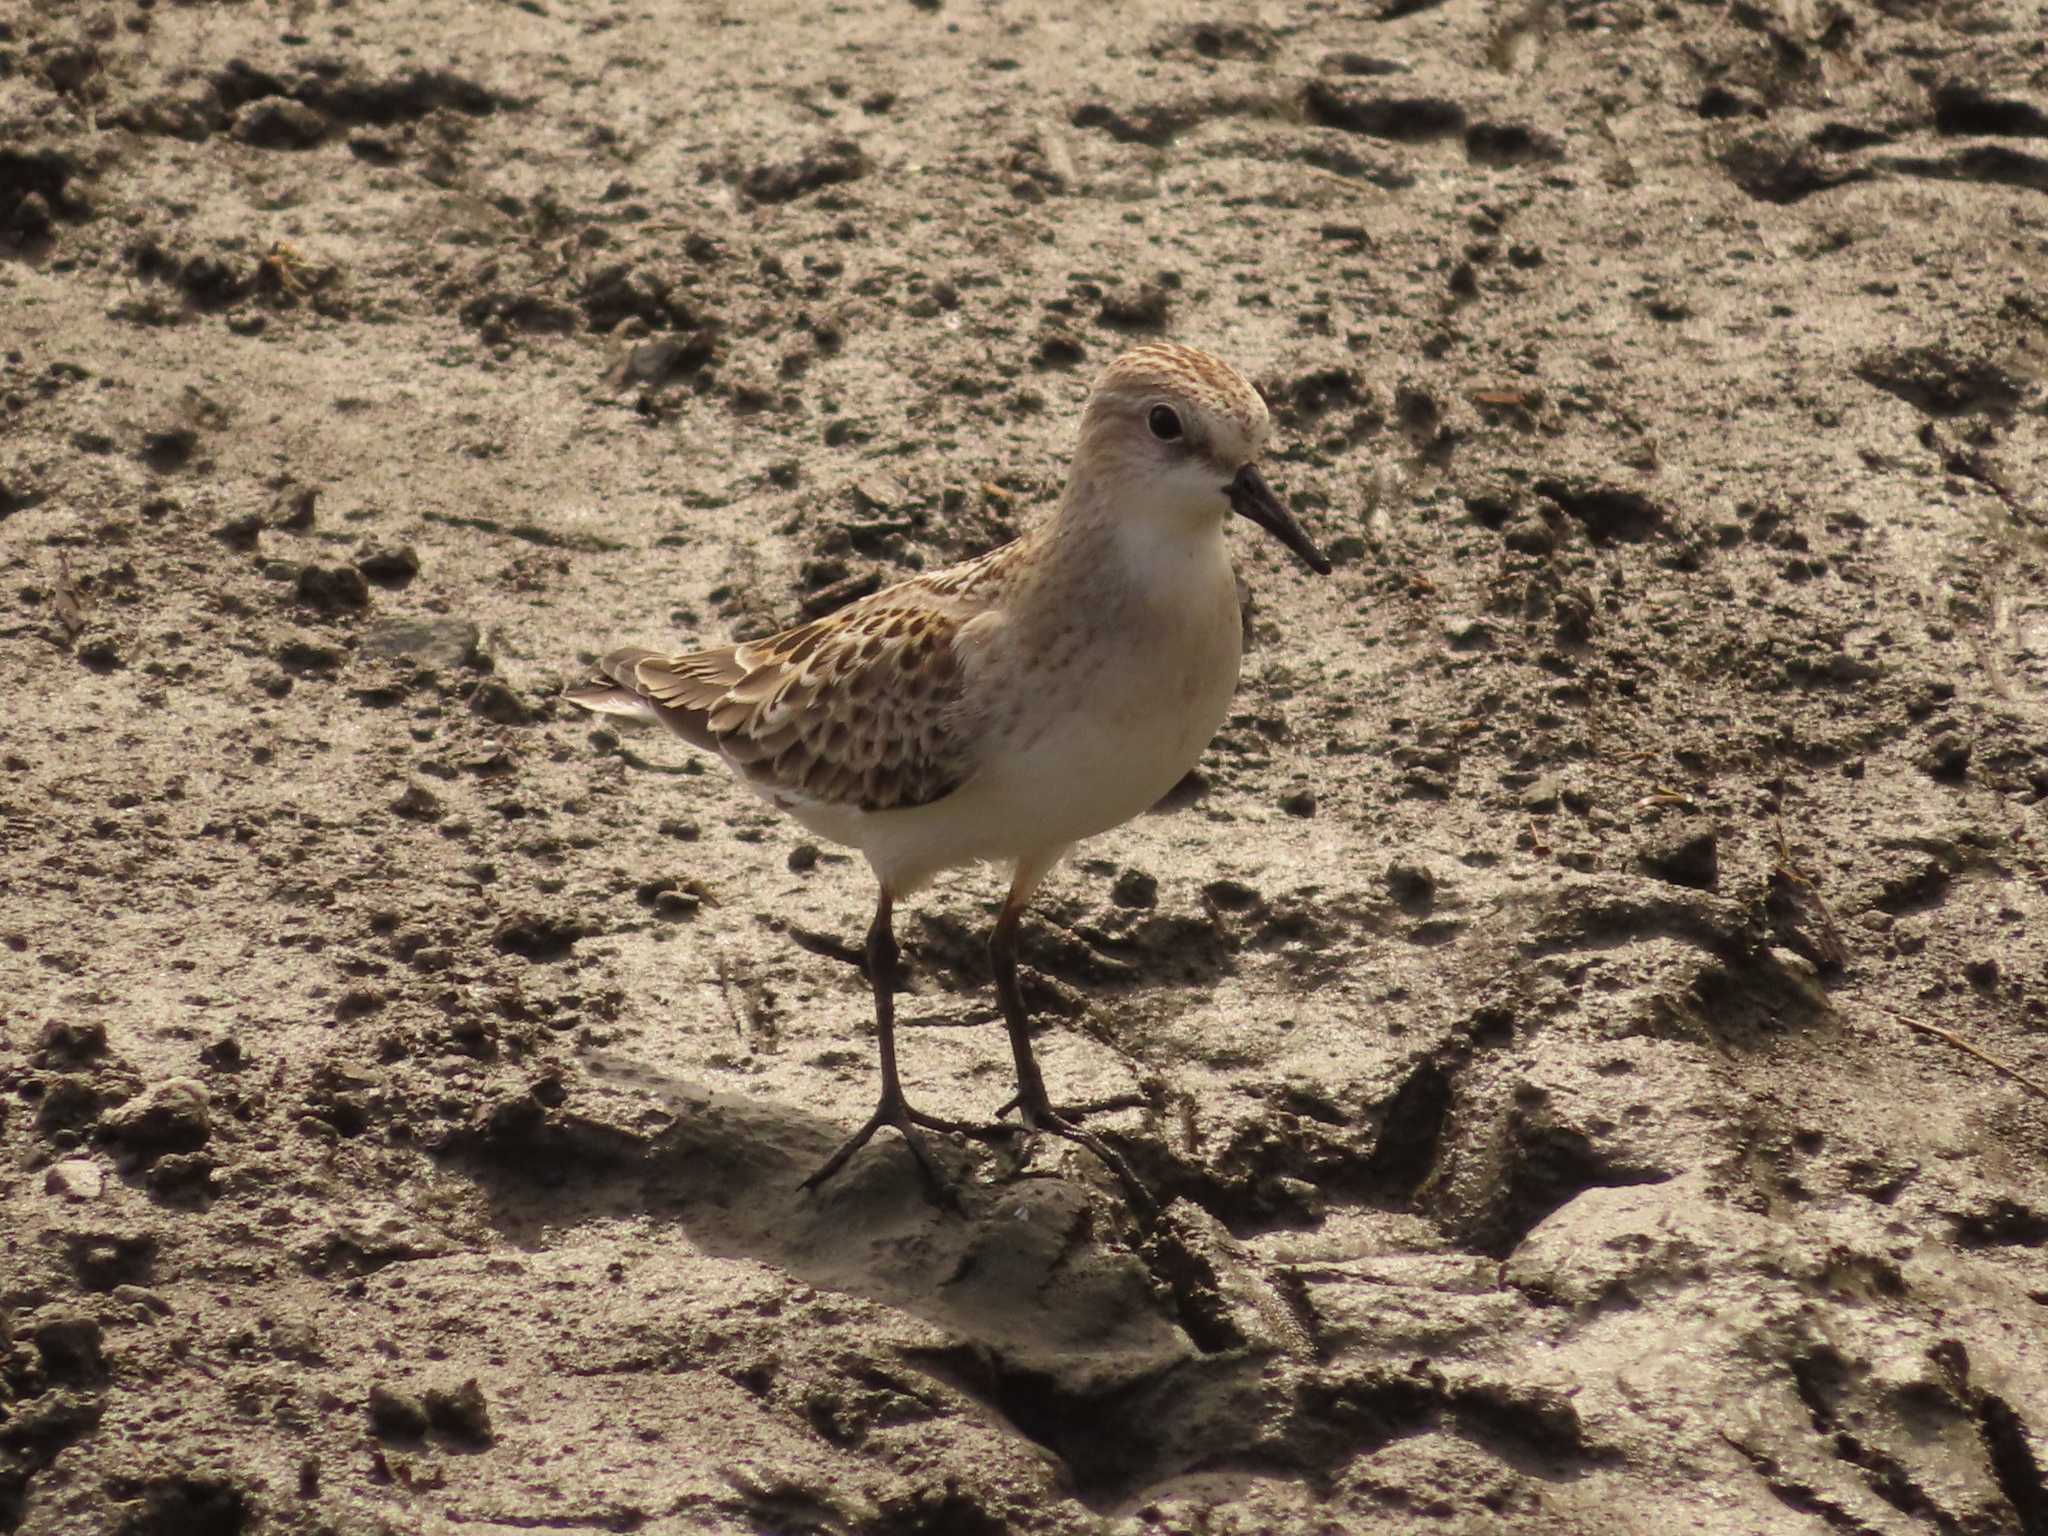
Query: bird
[[1004, 709]]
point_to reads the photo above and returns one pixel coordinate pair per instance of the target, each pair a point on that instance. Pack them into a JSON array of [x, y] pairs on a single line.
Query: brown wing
[[861, 708]]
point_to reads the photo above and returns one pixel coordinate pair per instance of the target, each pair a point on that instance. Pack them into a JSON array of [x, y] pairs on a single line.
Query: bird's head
[[1171, 434]]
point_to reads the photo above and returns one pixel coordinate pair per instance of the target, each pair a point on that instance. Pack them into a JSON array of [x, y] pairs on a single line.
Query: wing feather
[[866, 707]]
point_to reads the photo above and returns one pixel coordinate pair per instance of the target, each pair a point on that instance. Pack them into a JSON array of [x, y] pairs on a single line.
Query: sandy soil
[[404, 1082]]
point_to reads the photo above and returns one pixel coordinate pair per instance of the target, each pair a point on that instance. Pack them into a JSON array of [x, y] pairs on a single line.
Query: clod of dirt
[[15, 496], [1993, 164], [241, 532], [355, 96], [1941, 383], [1717, 103], [1948, 757], [1504, 144], [69, 1106], [1314, 392], [224, 1055], [102, 1260], [70, 1043], [33, 187], [183, 1505], [392, 568], [171, 1116], [540, 938], [1346, 61], [30, 218], [669, 898], [206, 280], [183, 1176], [1155, 125], [1684, 852], [277, 122], [332, 588], [169, 449], [376, 148], [191, 114], [1467, 632], [69, 1344], [2002, 1221], [304, 658], [833, 162], [1774, 168], [623, 291], [1403, 119], [1059, 349], [1135, 889], [664, 360], [101, 653], [418, 803], [1607, 512], [292, 511], [498, 704], [460, 1413], [396, 1415], [497, 314], [1136, 307], [1217, 40], [1412, 887], [70, 69]]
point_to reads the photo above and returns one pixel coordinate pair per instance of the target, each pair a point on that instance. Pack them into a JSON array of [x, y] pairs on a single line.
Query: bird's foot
[[894, 1111], [1039, 1115]]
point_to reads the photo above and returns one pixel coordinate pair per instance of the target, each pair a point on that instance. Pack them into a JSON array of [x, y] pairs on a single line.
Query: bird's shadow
[[1058, 1321], [728, 1169]]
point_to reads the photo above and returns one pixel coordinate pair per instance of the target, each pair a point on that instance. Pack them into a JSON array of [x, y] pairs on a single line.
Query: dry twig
[[1956, 1040]]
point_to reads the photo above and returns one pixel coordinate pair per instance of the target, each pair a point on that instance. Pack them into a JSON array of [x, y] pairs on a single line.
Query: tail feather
[[610, 699], [620, 665], [618, 693]]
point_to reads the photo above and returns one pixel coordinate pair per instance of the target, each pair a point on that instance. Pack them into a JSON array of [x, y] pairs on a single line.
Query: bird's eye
[[1165, 423]]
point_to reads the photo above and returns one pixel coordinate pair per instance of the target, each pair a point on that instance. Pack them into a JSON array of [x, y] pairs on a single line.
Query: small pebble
[[75, 1179]]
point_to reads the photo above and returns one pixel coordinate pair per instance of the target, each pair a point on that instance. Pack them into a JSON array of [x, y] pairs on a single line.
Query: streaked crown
[[1226, 419]]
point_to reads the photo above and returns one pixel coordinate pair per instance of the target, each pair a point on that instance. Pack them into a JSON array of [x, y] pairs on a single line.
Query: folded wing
[[863, 708]]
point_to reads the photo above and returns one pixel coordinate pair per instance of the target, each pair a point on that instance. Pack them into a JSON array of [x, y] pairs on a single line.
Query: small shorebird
[[1005, 708]]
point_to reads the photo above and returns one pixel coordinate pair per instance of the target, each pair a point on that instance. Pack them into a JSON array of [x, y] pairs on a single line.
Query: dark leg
[[1031, 1101], [882, 956]]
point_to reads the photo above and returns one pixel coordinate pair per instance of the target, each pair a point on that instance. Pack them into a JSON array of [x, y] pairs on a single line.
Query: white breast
[[1086, 727], [1103, 737]]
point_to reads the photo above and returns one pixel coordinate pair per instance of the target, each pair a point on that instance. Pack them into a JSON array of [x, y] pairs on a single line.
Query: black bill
[[1251, 497]]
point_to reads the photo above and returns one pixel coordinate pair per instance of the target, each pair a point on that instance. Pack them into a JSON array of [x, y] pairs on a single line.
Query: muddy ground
[[404, 1081]]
